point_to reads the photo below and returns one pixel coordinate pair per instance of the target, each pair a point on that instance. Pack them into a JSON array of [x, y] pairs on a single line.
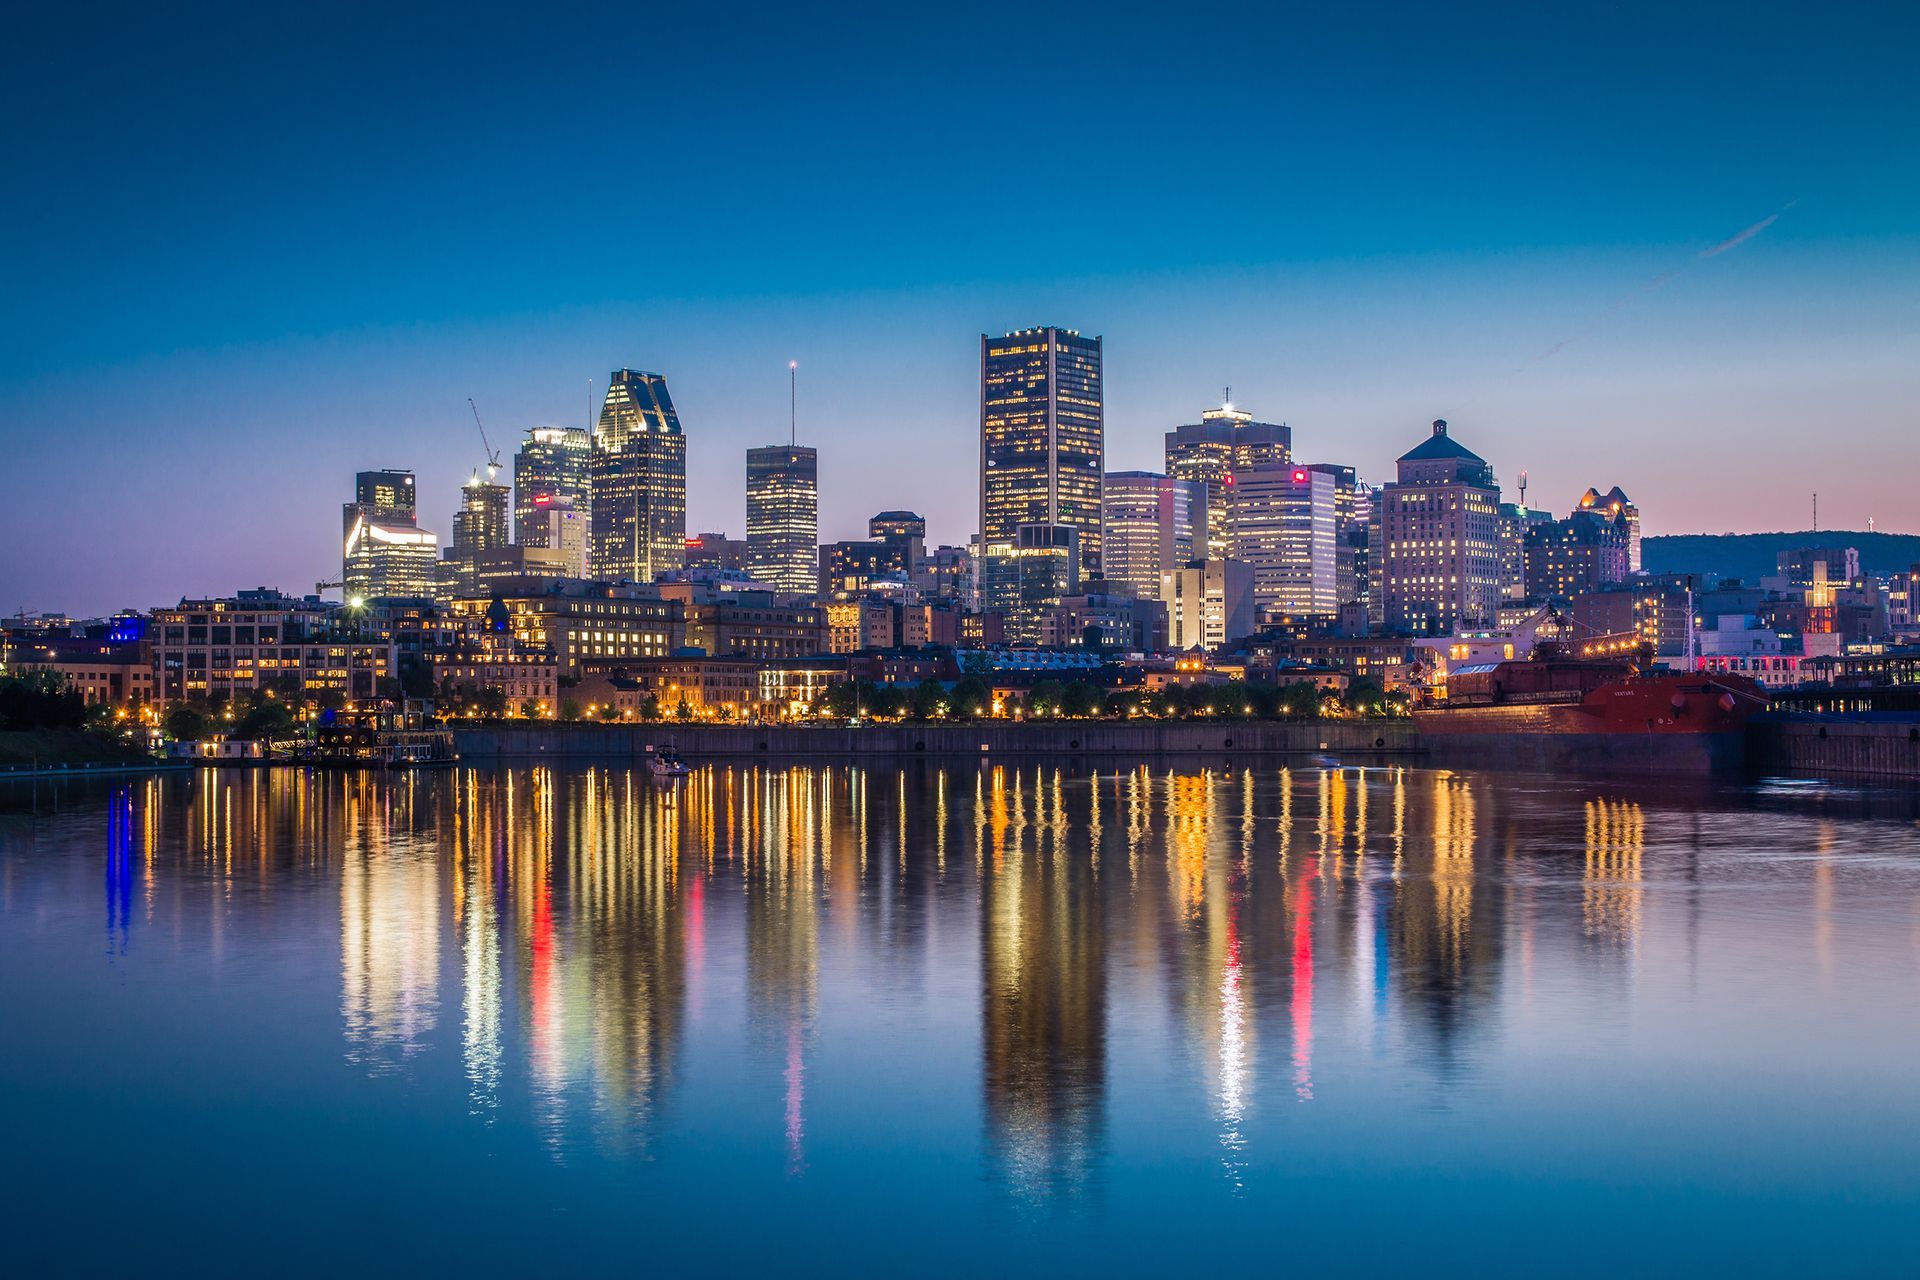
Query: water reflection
[[554, 936], [1043, 979]]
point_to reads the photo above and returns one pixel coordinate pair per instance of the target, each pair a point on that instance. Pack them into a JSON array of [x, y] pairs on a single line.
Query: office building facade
[[1225, 441], [1150, 524], [1027, 580], [1284, 529], [783, 517], [1042, 438], [1208, 603], [384, 553], [1438, 554], [549, 474], [889, 526], [481, 526], [637, 476]]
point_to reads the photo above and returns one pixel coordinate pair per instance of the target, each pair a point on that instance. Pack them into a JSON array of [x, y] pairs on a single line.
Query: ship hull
[[1664, 726], [1644, 754]]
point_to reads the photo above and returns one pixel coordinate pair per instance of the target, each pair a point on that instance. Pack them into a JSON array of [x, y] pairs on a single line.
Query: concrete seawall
[[1887, 749], [1060, 738]]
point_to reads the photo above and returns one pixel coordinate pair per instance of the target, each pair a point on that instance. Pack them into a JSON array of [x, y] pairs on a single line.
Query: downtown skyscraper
[[1285, 529], [385, 554], [1042, 460], [1042, 437], [481, 526], [1225, 441], [1437, 560], [1151, 525], [550, 492], [637, 478], [783, 517]]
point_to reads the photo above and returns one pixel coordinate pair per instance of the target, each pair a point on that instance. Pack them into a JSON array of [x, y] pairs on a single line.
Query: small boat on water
[[666, 764]]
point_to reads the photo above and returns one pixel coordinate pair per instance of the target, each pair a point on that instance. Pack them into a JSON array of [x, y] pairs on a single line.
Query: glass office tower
[[637, 476], [549, 471], [1225, 440], [1042, 437], [783, 516]]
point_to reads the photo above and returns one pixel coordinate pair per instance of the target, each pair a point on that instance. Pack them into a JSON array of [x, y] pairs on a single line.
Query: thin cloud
[[1654, 285]]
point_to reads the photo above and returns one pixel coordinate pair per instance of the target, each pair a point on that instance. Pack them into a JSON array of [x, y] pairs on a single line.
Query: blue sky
[[248, 254]]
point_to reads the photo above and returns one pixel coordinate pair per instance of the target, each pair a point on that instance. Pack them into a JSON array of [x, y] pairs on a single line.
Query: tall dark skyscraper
[[1042, 438], [1224, 441], [783, 516], [637, 476]]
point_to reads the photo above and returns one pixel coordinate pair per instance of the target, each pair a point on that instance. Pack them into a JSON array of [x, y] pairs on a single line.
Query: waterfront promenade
[[1088, 737], [1888, 750]]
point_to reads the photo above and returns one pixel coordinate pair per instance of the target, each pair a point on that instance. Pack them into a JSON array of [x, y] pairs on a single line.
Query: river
[[1157, 1019]]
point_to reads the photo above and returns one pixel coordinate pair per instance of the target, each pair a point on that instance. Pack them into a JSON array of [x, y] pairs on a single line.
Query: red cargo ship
[[1555, 713]]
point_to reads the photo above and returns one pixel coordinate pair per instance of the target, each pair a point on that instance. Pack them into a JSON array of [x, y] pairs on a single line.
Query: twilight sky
[[246, 255]]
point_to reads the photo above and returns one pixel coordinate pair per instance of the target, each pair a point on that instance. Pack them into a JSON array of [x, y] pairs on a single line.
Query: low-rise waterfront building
[[588, 620], [261, 640]]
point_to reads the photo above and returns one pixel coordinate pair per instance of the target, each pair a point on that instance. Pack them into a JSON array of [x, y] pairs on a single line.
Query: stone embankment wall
[[1852, 748], [1395, 737]]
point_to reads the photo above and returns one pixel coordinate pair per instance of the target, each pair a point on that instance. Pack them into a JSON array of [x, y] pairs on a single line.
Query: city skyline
[[1687, 249]]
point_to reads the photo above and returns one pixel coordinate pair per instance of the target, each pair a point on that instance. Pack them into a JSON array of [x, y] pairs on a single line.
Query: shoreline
[[94, 769]]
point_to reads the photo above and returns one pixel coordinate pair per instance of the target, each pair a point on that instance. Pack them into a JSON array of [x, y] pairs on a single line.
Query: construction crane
[[352, 602], [493, 454]]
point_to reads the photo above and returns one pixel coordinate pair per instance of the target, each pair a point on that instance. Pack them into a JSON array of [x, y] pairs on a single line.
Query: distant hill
[[1755, 555]]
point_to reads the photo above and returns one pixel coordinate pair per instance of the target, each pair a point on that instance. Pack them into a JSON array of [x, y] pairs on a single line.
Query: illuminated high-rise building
[[894, 526], [1284, 529], [1618, 505], [1225, 440], [550, 466], [481, 526], [1029, 579], [385, 554], [637, 476], [386, 495], [1352, 501], [1150, 524], [1042, 439], [783, 516], [557, 522], [1438, 555]]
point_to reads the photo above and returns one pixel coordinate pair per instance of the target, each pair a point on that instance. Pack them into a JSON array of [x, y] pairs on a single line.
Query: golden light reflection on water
[[1611, 888], [559, 931]]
